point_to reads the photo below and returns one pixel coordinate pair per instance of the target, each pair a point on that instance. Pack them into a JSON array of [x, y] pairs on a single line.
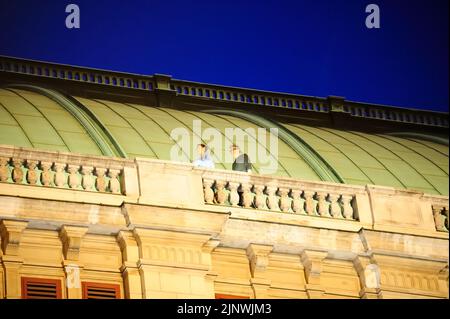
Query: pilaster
[[312, 262], [258, 256], [369, 277], [129, 269], [71, 238], [11, 233], [175, 264]]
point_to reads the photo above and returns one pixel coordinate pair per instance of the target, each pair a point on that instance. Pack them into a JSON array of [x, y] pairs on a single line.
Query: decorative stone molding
[[174, 249], [258, 255], [128, 246], [210, 245], [420, 218], [167, 255], [281, 194], [312, 262], [166, 88], [72, 272], [441, 218], [11, 234], [22, 166], [130, 270], [72, 276], [12, 266], [71, 237], [369, 277]]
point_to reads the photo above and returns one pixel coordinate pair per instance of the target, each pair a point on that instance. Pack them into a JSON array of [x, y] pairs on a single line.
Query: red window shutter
[[40, 288], [95, 290], [224, 296]]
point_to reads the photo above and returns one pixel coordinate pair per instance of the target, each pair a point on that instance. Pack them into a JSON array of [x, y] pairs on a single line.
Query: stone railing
[[440, 215], [74, 73], [107, 180], [62, 170], [387, 113], [281, 195], [231, 94], [196, 90]]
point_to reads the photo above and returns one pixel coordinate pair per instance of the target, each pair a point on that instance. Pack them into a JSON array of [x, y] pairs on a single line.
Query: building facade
[[99, 199]]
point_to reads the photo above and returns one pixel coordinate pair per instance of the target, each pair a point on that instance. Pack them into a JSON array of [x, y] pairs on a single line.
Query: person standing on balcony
[[204, 157], [241, 160]]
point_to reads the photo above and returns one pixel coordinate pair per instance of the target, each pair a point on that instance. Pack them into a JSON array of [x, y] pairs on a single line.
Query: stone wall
[[168, 230]]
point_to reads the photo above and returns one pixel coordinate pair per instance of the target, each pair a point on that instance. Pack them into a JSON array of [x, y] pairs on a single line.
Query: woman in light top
[[204, 157]]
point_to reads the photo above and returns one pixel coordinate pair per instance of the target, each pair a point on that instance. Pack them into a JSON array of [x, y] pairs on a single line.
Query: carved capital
[[71, 237], [312, 261], [369, 276], [11, 234], [128, 246], [258, 256], [210, 245]]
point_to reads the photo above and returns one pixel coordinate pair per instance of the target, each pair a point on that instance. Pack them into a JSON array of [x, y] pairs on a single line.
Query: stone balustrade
[[62, 170], [143, 83], [281, 195], [96, 179], [440, 215]]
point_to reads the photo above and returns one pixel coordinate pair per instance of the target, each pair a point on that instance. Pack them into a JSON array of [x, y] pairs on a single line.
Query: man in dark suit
[[241, 160]]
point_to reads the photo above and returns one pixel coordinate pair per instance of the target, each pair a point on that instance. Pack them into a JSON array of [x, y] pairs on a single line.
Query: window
[[225, 296], [39, 288], [94, 290]]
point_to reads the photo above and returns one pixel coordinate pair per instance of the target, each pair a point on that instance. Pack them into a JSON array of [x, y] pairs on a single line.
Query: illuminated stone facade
[[91, 206]]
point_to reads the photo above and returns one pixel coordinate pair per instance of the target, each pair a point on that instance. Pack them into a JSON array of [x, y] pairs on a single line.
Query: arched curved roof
[[32, 119]]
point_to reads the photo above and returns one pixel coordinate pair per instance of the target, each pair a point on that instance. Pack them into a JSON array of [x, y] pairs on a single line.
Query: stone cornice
[[336, 107]]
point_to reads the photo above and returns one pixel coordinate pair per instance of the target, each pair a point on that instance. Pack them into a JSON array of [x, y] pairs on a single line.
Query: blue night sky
[[310, 47]]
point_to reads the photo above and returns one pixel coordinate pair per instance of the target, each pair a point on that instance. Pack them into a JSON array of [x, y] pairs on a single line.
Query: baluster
[[4, 169], [46, 175], [310, 203], [446, 217], [114, 184], [323, 205], [272, 199], [74, 180], [31, 174], [285, 201], [234, 196], [346, 202], [438, 218], [207, 190], [100, 181], [60, 176], [335, 207], [87, 178], [247, 195], [221, 193], [298, 202], [17, 173], [260, 198]]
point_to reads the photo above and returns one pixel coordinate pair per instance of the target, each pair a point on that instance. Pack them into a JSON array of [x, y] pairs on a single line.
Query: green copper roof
[[381, 159], [40, 119]]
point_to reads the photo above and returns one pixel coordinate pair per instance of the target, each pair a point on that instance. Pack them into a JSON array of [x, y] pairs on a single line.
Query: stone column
[[71, 237], [258, 256], [11, 234]]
